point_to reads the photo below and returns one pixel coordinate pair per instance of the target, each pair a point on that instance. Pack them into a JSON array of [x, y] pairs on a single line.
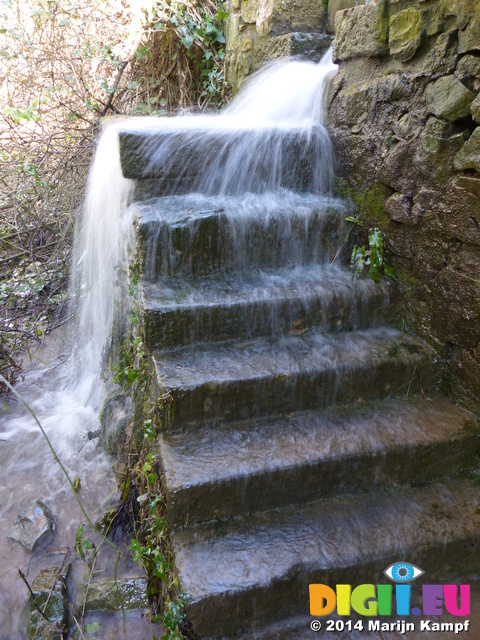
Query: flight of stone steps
[[299, 448]]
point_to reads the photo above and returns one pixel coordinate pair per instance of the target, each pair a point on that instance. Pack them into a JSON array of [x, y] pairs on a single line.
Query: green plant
[[191, 70], [371, 256], [150, 544]]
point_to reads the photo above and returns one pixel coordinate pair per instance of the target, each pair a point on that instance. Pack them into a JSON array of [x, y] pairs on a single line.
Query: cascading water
[[251, 329], [286, 97]]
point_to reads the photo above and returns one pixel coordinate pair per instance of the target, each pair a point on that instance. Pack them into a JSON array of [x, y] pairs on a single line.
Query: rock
[[469, 65], [34, 526], [361, 32], [405, 34], [407, 127], [438, 128], [469, 37], [114, 417], [426, 197], [469, 155], [443, 57], [399, 209], [448, 98], [475, 109], [50, 591], [127, 594]]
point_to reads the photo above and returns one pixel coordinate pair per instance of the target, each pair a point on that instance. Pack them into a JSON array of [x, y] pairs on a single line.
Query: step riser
[[170, 328], [234, 162], [215, 242], [215, 617], [296, 485], [283, 394]]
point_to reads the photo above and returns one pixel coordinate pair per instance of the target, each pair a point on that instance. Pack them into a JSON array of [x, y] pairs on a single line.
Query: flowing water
[[269, 134]]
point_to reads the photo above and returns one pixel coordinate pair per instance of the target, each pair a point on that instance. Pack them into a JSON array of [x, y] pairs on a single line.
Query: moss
[[455, 388], [370, 203], [382, 24]]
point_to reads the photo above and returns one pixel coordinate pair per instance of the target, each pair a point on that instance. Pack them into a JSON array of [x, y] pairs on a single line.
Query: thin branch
[[22, 576]]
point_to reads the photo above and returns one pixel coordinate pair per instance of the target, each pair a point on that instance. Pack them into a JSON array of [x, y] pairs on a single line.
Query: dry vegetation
[[63, 66]]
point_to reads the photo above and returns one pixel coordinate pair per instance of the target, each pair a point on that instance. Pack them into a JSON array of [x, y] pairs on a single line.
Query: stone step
[[298, 627], [244, 467], [243, 380], [259, 303], [255, 570], [196, 235], [220, 157]]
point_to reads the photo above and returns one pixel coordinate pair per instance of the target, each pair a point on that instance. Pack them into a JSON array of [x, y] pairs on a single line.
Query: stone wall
[[261, 30], [404, 113]]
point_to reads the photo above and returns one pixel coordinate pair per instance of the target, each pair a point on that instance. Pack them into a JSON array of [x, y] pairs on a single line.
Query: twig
[[342, 245], [22, 576], [417, 372], [108, 106], [79, 627]]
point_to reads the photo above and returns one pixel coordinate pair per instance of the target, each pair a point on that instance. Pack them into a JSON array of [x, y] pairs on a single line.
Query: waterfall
[[284, 97]]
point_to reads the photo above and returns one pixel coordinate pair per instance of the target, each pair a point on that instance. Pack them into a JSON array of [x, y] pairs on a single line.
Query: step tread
[[208, 455], [209, 363], [316, 281], [253, 552], [184, 210]]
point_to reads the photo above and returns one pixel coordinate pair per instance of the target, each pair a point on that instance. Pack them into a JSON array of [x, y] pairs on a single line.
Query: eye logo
[[403, 572]]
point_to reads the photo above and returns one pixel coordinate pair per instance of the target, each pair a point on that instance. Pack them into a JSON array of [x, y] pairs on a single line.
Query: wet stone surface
[[49, 596], [34, 526], [110, 595]]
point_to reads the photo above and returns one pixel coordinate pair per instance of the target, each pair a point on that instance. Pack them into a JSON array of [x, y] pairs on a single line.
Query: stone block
[[442, 57], [461, 10], [339, 5], [278, 17], [311, 46], [405, 34], [448, 98], [248, 11], [110, 595], [469, 36], [469, 155], [469, 65], [361, 32], [475, 109]]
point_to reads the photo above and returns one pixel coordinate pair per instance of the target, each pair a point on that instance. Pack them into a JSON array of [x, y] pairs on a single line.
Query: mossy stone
[[469, 65], [49, 589], [469, 155], [361, 32], [111, 595], [475, 109], [405, 34], [448, 98]]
